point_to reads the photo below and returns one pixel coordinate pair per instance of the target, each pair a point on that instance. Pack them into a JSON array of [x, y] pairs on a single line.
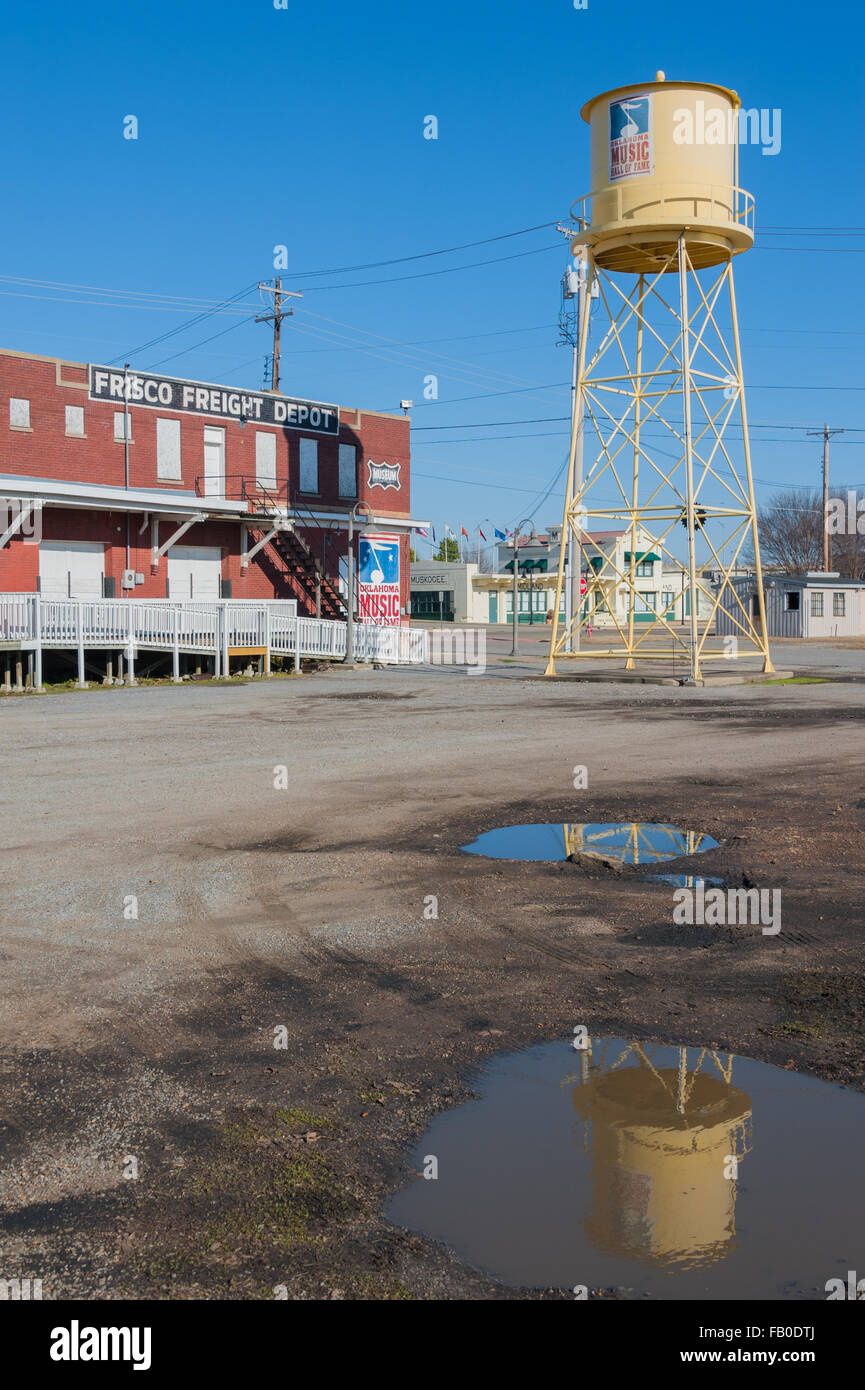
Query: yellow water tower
[[658, 381]]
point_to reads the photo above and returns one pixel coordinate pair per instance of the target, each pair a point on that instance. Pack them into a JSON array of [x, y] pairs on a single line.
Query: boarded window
[[120, 416], [347, 470], [265, 459], [75, 419], [309, 465], [19, 413], [168, 462]]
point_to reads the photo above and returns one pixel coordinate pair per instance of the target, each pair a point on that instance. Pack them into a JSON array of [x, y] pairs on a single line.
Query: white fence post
[[175, 665], [267, 640], [130, 646], [79, 621], [37, 624], [297, 643]]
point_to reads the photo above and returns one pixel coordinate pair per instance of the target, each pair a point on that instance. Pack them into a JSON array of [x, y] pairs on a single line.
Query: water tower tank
[[664, 158]]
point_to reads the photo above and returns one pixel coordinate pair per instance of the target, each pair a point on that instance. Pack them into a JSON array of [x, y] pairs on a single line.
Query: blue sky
[[304, 127]]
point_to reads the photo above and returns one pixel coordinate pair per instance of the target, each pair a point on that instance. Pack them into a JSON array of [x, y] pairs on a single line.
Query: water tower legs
[[661, 393]]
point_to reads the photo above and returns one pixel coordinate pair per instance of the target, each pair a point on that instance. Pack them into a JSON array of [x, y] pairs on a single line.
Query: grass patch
[[823, 1004], [297, 1119], [798, 680], [252, 1196]]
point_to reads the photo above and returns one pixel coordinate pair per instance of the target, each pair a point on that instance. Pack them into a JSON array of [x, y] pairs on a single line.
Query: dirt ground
[[215, 1097]]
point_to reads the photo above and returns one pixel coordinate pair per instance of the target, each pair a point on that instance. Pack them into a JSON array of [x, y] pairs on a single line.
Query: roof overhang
[[339, 520], [53, 493]]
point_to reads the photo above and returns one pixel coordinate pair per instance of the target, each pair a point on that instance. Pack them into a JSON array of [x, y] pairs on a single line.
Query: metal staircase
[[320, 594], [315, 591]]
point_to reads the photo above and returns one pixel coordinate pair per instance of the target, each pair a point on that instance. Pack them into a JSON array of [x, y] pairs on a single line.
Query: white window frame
[[308, 461], [348, 469], [78, 414], [19, 405], [215, 437], [169, 450], [265, 458], [119, 417]]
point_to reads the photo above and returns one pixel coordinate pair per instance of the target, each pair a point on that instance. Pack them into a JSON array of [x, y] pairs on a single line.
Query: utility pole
[[275, 317], [827, 435]]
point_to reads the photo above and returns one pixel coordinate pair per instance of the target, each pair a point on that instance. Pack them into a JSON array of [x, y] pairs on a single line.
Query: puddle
[[609, 1168], [685, 880], [610, 843]]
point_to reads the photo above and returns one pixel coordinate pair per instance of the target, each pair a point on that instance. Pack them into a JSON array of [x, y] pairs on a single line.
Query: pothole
[[670, 1172]]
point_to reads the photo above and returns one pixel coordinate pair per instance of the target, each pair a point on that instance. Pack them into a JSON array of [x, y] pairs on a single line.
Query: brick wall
[[45, 451]]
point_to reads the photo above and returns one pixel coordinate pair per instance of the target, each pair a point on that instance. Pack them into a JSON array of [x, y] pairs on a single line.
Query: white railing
[[201, 628], [17, 617]]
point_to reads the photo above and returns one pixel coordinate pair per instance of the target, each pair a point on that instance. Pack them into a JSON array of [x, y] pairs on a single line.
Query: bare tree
[[791, 531], [488, 560], [847, 542]]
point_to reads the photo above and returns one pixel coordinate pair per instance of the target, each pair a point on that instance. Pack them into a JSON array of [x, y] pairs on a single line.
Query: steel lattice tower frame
[[664, 361]]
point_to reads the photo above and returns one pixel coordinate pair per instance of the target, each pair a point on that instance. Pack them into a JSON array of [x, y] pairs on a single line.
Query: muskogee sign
[[222, 402]]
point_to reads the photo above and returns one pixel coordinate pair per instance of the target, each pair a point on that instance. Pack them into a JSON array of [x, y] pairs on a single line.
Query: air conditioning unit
[[127, 579]]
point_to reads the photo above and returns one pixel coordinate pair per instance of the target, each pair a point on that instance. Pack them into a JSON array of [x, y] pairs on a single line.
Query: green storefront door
[[494, 608]]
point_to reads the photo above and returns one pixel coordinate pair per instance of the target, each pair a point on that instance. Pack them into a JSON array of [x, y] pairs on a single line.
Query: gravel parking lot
[[226, 1016]]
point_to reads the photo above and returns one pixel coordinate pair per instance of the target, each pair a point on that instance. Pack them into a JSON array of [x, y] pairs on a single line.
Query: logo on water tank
[[630, 137]]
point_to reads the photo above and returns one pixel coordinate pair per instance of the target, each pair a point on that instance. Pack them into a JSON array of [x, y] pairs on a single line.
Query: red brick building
[[118, 483]]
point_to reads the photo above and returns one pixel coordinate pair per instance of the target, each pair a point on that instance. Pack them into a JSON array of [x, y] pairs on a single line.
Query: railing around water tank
[[699, 202]]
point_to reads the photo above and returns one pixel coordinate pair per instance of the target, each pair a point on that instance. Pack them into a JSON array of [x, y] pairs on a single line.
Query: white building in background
[[815, 604], [459, 593]]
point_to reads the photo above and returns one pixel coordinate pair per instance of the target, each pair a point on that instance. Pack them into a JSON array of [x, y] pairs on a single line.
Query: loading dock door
[[194, 571], [71, 569]]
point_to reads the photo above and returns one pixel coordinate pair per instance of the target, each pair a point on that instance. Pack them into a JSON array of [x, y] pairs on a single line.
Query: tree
[[448, 550], [412, 558], [847, 532], [790, 527], [791, 533]]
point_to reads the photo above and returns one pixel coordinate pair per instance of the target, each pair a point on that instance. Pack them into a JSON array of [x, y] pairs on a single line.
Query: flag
[[449, 532], [481, 534], [465, 532], [433, 529], [421, 531], [499, 535]]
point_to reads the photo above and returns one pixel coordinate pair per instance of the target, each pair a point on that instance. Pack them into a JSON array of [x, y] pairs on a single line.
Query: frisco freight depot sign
[[199, 398]]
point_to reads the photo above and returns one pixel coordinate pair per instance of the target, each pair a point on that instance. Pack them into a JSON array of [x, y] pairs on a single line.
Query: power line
[[426, 274], [420, 256], [485, 424], [181, 328], [230, 329]]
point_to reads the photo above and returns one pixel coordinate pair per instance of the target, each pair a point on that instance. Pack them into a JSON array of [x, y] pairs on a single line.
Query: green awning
[[527, 566], [642, 555]]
